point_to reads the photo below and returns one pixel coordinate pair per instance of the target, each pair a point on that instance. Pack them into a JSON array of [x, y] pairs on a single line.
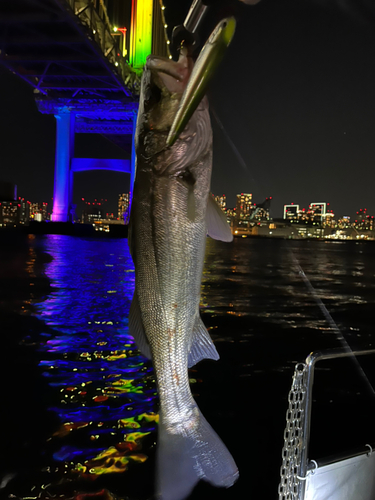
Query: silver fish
[[167, 237]]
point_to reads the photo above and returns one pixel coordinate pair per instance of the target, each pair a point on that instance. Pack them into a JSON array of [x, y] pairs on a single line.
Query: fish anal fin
[[217, 225], [202, 346], [136, 329]]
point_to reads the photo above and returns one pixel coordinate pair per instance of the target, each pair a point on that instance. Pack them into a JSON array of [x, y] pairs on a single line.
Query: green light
[[141, 32]]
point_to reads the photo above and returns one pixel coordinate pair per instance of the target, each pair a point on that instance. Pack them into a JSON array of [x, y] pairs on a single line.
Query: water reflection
[[104, 390], [101, 393], [257, 283]]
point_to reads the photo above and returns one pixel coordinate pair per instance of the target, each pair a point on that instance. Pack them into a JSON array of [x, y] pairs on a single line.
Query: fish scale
[[167, 240]]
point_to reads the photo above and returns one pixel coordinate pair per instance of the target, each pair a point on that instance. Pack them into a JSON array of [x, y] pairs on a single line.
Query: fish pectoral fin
[[217, 225], [187, 180], [202, 346], [191, 205], [136, 329]]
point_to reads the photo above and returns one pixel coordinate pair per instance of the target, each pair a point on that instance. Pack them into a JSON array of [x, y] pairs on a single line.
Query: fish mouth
[[171, 76], [164, 84]]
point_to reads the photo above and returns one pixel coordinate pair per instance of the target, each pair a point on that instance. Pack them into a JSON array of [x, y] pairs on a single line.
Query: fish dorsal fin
[[136, 329], [217, 225], [202, 346]]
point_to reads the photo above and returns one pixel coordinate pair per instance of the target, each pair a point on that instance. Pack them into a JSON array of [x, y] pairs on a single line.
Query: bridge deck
[[64, 49]]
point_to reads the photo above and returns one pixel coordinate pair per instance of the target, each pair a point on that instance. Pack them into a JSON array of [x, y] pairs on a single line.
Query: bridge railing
[[93, 14]]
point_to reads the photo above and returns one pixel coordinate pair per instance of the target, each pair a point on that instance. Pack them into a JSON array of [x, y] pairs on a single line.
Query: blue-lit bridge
[[84, 60]]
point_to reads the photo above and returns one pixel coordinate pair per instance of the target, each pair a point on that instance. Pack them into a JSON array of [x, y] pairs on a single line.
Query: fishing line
[[239, 157], [330, 320], [231, 143]]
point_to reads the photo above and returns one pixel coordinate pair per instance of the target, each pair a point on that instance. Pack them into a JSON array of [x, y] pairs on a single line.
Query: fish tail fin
[[186, 456]]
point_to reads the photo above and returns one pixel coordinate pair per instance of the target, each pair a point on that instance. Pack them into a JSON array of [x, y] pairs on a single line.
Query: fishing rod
[[190, 32], [187, 32]]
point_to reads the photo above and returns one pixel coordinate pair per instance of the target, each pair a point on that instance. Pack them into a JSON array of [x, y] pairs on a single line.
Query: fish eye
[[188, 178]]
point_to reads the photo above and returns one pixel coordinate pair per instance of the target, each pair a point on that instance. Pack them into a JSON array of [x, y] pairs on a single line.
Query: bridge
[[84, 60]]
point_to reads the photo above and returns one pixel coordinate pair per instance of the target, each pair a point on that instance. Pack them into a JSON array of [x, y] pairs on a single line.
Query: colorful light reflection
[[105, 395]]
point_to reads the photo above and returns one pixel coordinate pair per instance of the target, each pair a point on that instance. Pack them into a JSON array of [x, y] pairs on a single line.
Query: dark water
[[79, 405]]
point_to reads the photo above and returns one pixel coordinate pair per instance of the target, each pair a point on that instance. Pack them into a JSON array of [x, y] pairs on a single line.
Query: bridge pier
[[63, 183], [111, 118]]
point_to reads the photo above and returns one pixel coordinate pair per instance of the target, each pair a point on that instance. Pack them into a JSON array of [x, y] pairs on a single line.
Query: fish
[[172, 212]]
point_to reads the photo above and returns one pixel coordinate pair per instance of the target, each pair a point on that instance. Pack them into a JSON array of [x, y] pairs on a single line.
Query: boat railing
[[366, 449], [296, 470]]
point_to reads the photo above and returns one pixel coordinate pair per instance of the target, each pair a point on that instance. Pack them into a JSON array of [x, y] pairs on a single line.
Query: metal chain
[[290, 471]]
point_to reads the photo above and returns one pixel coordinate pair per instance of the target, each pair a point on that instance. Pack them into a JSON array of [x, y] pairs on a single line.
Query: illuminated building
[[23, 211], [316, 214], [8, 213], [291, 212], [94, 211], [329, 220], [344, 222], [304, 215], [230, 213], [244, 206], [123, 207], [45, 214], [34, 211], [317, 211], [262, 210], [13, 211], [244, 209], [231, 216], [221, 201], [38, 211], [364, 221]]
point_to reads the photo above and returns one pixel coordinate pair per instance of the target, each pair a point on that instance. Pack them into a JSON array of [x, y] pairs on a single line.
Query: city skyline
[[295, 112], [246, 219], [122, 199]]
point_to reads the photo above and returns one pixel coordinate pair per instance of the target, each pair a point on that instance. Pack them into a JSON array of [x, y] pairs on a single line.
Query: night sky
[[295, 96]]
